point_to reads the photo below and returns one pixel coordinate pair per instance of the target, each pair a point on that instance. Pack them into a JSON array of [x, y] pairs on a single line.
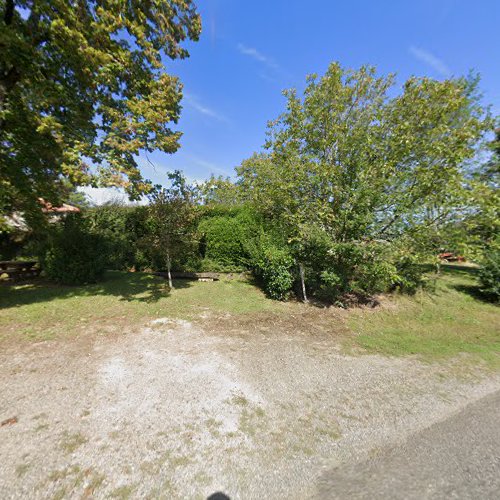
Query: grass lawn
[[451, 319], [43, 311], [434, 324]]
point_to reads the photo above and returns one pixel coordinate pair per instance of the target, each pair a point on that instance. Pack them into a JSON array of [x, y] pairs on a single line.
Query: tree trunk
[[169, 274], [303, 283]]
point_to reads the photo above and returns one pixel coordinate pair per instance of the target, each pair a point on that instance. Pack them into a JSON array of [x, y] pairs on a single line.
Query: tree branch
[[9, 12]]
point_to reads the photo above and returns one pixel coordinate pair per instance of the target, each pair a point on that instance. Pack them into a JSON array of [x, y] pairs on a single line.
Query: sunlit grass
[[450, 320], [44, 311]]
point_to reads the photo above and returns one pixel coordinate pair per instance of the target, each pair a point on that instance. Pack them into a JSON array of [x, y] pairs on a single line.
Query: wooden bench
[[18, 269], [176, 275]]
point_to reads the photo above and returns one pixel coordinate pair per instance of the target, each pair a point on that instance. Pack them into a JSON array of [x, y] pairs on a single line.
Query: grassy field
[[441, 322], [449, 320]]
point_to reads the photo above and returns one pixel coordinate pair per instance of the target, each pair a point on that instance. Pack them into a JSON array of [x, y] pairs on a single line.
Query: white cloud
[[99, 196], [258, 56], [431, 60], [194, 103]]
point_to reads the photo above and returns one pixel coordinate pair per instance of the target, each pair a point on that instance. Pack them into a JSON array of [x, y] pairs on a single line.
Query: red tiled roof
[[47, 207]]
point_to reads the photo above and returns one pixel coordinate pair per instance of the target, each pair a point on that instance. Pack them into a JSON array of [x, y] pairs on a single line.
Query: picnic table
[[18, 269]]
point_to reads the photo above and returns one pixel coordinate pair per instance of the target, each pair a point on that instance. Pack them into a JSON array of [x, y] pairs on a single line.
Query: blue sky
[[250, 51]]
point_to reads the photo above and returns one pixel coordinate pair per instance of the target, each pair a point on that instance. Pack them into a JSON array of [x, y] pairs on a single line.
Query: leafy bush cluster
[[273, 265], [356, 179], [224, 238], [73, 255], [121, 227], [339, 272], [357, 183], [228, 240]]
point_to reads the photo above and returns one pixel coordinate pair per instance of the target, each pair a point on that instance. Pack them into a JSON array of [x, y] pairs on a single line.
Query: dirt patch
[[255, 406], [299, 320]]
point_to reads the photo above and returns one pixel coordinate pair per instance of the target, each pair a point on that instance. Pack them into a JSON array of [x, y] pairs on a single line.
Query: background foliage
[[83, 84], [360, 186], [72, 254]]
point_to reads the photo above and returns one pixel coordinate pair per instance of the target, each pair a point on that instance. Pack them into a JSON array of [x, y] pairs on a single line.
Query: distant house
[[16, 219], [47, 207]]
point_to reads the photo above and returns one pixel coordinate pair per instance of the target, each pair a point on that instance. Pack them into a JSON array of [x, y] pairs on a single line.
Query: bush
[[120, 226], [354, 271], [222, 241], [273, 266], [73, 255], [489, 275], [375, 275], [224, 237], [409, 274], [337, 272], [329, 286], [209, 265]]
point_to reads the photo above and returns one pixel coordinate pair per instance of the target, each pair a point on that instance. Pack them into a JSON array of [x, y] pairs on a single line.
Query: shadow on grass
[[130, 287], [475, 292], [463, 283]]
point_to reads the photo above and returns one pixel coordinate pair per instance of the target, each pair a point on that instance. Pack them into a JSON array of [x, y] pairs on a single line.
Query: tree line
[[358, 188]]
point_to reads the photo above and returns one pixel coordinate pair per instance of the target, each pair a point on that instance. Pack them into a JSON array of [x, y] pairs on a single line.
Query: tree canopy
[[359, 178], [358, 163], [83, 89]]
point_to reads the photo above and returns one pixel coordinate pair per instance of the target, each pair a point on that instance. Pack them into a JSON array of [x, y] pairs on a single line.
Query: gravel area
[[177, 411]]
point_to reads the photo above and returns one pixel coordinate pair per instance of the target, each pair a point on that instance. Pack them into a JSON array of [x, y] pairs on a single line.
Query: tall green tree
[[351, 160], [474, 229], [83, 83], [220, 191]]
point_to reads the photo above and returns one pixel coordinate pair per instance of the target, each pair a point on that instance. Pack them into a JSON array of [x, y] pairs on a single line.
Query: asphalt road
[[456, 458]]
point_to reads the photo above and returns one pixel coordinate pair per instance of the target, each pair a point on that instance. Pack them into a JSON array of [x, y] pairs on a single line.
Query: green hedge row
[[227, 239]]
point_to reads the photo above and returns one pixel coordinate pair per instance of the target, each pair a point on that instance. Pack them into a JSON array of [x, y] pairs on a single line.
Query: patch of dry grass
[[71, 442]]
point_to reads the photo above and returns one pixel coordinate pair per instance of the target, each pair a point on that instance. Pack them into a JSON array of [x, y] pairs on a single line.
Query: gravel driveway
[[175, 411]]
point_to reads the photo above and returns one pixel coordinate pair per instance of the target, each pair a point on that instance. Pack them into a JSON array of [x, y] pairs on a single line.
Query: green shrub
[[209, 265], [329, 286], [108, 221], [272, 265], [224, 237], [73, 255], [222, 240], [489, 275], [340, 271], [374, 275], [126, 233]]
